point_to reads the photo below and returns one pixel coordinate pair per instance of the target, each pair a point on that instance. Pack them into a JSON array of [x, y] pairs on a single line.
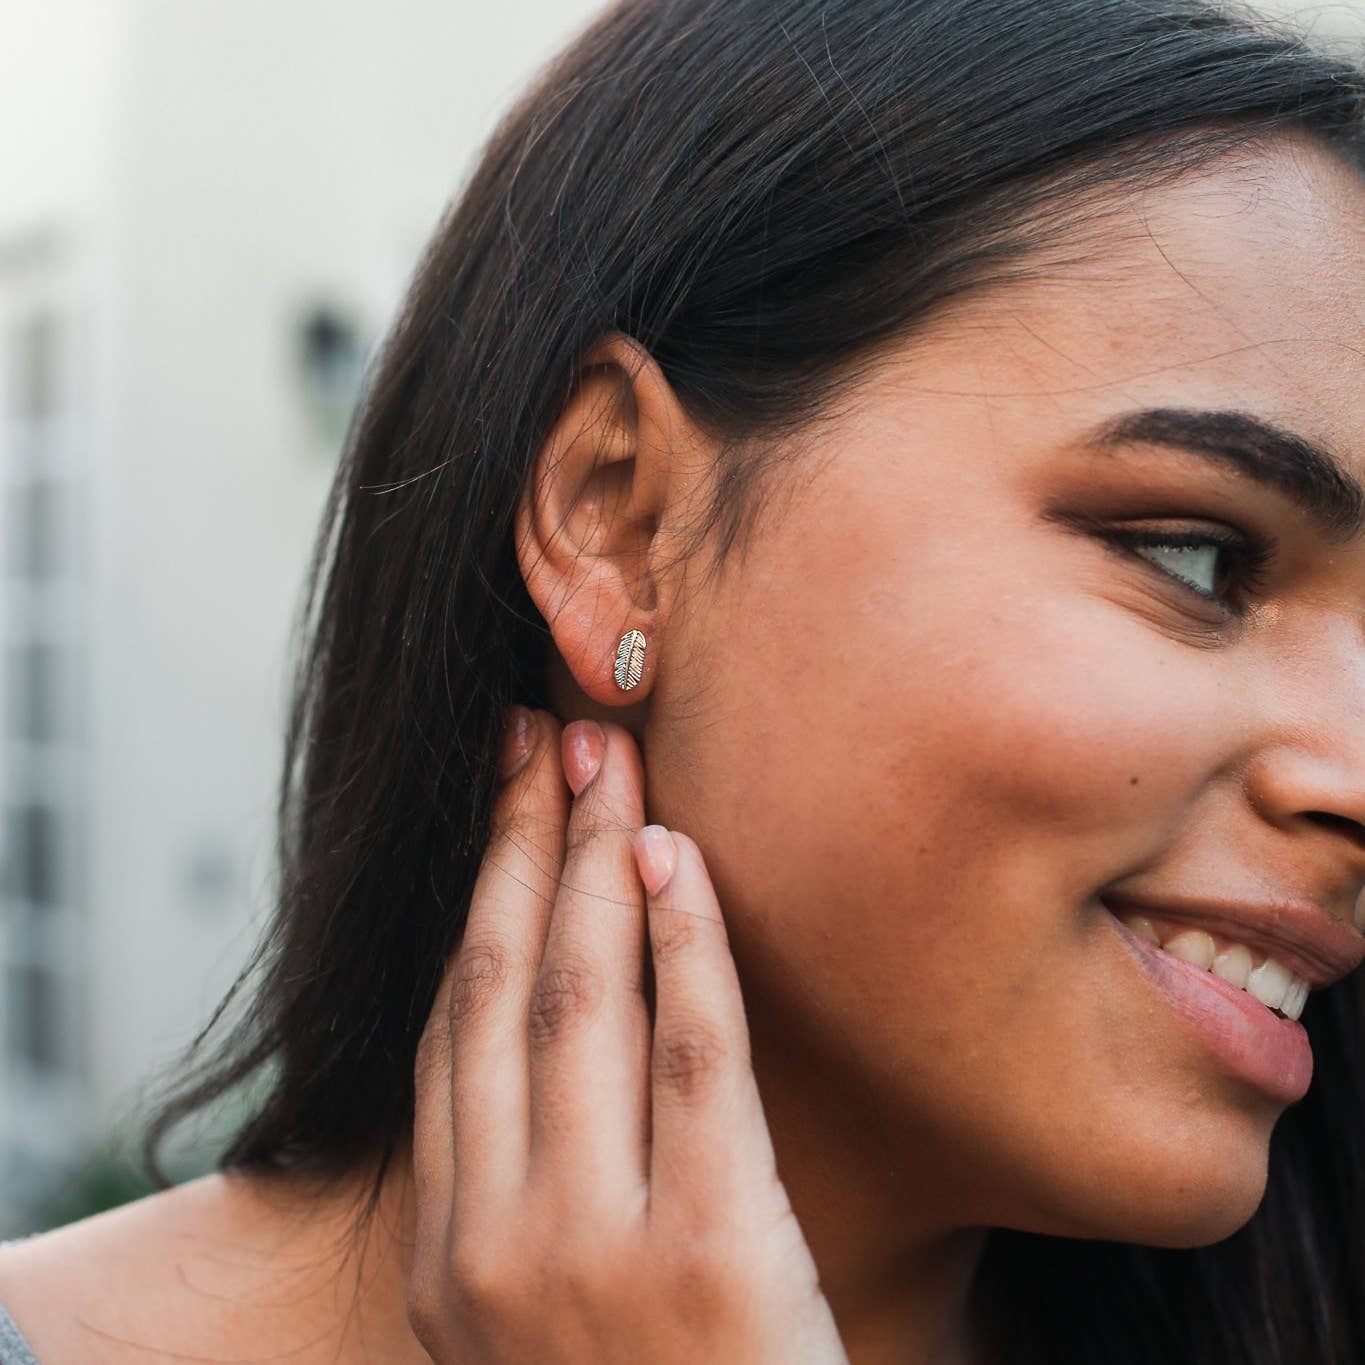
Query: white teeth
[[1269, 983], [1144, 928], [1194, 945], [1233, 964], [1294, 998], [1272, 983]]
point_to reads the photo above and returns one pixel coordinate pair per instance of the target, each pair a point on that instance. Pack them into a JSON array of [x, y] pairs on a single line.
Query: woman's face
[[933, 715]]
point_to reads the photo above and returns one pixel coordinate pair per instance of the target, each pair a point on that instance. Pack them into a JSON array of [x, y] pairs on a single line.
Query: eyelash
[[1250, 554]]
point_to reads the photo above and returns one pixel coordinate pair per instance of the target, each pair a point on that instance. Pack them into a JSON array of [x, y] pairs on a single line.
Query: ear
[[594, 519]]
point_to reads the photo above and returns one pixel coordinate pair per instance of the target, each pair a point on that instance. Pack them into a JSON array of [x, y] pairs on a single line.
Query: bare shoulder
[[217, 1267], [115, 1286]]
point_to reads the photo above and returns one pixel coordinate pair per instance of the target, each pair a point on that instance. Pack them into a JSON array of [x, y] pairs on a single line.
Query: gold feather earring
[[630, 659]]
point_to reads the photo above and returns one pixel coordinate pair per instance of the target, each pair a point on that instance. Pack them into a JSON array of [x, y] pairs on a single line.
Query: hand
[[591, 1188]]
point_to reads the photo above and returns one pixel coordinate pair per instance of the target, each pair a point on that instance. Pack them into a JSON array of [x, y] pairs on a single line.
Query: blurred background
[[208, 214]]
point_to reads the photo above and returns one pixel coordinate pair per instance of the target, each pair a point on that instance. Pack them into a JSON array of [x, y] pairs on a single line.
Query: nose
[[1312, 784], [1315, 791], [1306, 774]]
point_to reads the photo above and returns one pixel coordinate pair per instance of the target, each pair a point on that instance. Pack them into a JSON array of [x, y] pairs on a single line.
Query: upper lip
[[1298, 934]]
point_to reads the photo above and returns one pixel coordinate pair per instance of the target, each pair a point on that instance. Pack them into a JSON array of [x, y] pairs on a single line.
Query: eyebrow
[[1313, 478]]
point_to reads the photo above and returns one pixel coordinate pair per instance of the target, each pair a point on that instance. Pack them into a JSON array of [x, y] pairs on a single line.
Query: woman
[[958, 404]]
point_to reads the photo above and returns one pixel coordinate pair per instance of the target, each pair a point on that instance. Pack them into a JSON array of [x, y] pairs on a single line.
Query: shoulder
[[104, 1288], [214, 1268]]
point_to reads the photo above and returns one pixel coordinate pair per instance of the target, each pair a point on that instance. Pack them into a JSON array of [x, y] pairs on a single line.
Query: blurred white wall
[[1339, 24], [180, 181], [273, 156]]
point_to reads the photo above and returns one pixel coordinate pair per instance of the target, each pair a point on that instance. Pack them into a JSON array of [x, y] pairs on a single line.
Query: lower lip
[[1271, 1053]]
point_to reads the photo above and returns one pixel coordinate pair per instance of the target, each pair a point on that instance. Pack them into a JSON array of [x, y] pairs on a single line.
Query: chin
[[1189, 1222], [1196, 1212], [1188, 1195], [1182, 1224]]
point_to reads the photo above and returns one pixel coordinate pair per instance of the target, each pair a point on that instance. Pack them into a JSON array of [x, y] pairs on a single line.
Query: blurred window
[[44, 1042], [33, 1022], [33, 853]]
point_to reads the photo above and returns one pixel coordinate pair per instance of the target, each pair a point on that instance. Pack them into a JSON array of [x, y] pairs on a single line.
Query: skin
[[914, 732]]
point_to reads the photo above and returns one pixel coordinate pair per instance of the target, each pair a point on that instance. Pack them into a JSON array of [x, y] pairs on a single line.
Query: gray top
[[14, 1350]]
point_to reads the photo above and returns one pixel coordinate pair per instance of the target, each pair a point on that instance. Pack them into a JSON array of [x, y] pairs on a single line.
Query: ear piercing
[[630, 659]]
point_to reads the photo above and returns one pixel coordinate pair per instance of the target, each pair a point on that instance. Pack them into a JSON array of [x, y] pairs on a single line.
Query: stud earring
[[630, 659]]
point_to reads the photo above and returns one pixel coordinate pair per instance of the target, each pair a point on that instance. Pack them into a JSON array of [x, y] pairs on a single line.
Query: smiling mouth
[[1236, 1030], [1249, 968], [1301, 933]]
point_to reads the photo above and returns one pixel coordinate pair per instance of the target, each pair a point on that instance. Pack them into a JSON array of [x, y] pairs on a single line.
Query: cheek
[[909, 782], [936, 724], [909, 771]]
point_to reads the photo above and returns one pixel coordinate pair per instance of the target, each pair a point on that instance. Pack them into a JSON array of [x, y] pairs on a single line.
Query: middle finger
[[588, 1021]]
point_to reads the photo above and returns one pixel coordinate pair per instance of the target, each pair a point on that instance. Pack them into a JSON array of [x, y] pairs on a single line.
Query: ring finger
[[588, 1022]]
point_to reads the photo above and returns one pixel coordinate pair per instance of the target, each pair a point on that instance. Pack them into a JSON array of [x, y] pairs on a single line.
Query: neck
[[876, 1206]]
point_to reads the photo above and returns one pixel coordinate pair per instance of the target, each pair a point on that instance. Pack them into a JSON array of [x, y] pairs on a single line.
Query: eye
[[1192, 558]]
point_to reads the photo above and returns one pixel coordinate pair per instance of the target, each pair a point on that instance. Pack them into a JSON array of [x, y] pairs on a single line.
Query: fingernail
[[656, 855], [518, 741], [584, 745]]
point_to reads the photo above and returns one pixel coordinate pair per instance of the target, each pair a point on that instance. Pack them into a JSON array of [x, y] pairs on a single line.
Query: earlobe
[[588, 522]]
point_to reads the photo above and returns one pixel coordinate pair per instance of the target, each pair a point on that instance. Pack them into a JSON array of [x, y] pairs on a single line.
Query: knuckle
[[707, 1269], [474, 1279], [574, 1274], [520, 824], [563, 995], [672, 935], [513, 810], [481, 972], [587, 829], [479, 1279], [690, 1058], [590, 1266]]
